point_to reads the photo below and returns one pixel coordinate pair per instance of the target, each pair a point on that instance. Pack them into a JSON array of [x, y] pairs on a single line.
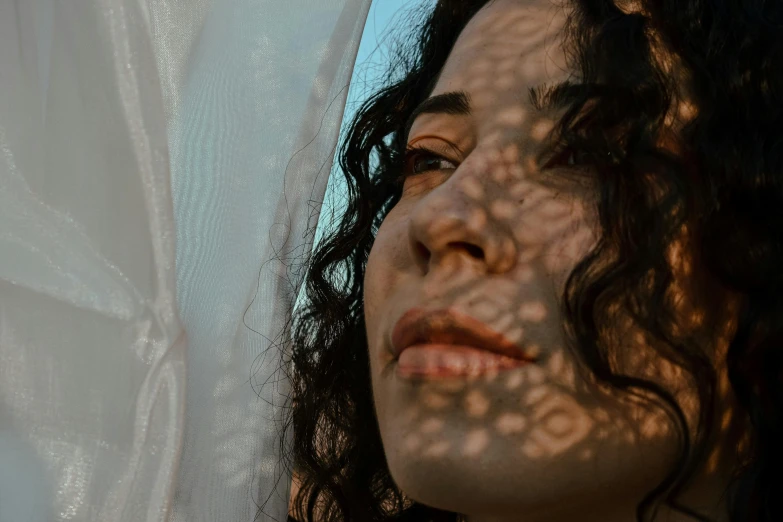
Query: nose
[[447, 223]]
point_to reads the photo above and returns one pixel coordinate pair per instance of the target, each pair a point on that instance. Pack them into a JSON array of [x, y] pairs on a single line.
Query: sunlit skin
[[493, 235]]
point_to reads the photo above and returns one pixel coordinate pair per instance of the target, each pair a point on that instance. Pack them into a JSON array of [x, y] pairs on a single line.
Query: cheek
[[371, 286], [383, 265]]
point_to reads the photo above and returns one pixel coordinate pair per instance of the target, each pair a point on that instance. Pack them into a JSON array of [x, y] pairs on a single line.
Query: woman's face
[[493, 236]]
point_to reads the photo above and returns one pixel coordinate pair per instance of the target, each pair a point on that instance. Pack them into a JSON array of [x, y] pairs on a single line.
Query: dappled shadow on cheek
[[546, 427]]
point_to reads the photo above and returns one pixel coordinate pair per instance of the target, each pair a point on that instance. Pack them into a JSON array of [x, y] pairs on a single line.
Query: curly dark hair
[[725, 182]]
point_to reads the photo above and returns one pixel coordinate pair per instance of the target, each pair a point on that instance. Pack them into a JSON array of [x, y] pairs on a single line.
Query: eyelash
[[417, 152], [564, 150]]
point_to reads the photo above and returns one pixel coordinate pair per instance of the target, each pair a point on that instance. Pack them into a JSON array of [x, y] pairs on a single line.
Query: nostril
[[473, 250], [423, 252]]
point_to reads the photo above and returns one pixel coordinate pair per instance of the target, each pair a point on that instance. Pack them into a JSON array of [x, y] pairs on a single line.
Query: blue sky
[[369, 64], [382, 13], [383, 16]]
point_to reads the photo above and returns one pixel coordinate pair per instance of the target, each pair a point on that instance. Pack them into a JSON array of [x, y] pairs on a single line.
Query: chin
[[483, 484], [502, 481], [449, 486]]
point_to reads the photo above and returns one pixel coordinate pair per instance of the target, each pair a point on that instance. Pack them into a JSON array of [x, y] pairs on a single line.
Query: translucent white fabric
[[160, 162]]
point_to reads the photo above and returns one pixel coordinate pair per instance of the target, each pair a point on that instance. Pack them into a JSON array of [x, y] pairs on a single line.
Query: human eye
[[565, 155], [418, 160]]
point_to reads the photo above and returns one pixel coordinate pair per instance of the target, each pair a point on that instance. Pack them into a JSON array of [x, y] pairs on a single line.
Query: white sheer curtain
[[160, 162]]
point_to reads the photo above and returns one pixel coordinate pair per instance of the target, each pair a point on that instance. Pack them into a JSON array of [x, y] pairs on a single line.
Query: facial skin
[[494, 236]]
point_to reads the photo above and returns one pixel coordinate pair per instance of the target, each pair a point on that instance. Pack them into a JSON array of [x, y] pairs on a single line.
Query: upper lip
[[446, 326]]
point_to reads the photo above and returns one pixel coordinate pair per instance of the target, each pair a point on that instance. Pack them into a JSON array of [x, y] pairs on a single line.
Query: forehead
[[508, 47]]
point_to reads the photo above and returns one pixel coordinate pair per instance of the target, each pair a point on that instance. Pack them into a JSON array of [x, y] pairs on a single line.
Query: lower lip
[[449, 360]]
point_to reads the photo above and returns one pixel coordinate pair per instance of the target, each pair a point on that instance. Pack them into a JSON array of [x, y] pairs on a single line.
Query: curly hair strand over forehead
[[720, 178]]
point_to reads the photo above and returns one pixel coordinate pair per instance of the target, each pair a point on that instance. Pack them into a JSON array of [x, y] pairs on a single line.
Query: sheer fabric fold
[[160, 162]]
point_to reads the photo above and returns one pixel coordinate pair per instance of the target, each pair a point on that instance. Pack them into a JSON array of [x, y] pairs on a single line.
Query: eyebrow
[[542, 97], [456, 103]]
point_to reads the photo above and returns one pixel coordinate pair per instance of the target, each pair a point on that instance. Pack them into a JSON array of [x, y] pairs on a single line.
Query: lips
[[446, 326]]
